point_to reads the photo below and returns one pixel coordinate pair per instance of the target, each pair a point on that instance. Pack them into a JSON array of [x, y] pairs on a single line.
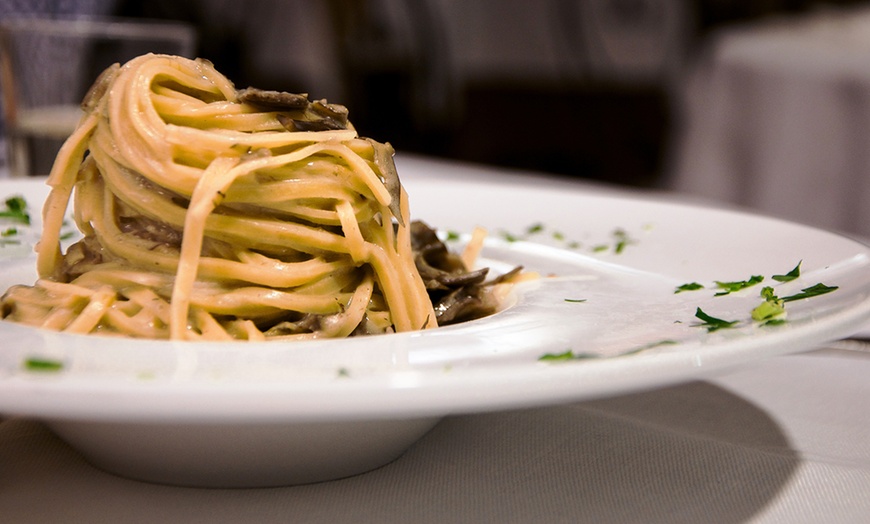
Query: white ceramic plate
[[267, 414]]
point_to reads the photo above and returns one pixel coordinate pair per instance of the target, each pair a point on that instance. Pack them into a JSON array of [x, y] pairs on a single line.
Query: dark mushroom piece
[[273, 100], [464, 303], [457, 293], [383, 157], [298, 124]]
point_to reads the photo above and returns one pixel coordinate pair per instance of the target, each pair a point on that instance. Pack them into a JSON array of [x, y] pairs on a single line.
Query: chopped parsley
[[570, 355], [791, 275], [509, 237], [732, 287], [6, 234], [534, 228], [566, 355], [42, 364], [772, 310], [691, 286], [812, 291], [622, 239], [575, 300], [713, 323], [16, 209]]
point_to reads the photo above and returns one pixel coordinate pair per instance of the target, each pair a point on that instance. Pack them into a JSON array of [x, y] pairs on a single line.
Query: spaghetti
[[211, 213]]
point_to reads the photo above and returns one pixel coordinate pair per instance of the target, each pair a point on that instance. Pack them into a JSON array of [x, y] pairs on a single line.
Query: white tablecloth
[[783, 441], [776, 117]]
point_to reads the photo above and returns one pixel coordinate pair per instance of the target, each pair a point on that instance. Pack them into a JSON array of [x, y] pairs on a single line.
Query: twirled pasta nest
[[210, 213]]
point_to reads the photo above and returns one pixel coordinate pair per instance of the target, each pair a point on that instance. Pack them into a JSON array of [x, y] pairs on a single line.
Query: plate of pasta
[[223, 287]]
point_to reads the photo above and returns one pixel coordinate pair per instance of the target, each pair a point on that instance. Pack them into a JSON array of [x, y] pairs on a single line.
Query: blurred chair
[[51, 8]]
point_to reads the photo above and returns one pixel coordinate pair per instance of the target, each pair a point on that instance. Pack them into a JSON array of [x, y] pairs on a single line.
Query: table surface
[[783, 440]]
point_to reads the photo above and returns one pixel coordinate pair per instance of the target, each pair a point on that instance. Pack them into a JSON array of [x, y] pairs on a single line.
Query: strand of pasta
[[418, 297], [61, 179], [210, 189]]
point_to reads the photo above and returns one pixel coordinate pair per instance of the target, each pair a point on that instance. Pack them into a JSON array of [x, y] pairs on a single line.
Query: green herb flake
[[791, 275], [557, 357], [575, 300], [691, 286], [812, 291], [558, 235], [771, 309], [42, 364], [534, 228], [509, 236], [5, 237], [343, 373], [622, 239], [712, 323], [570, 355], [566, 356], [768, 310], [16, 209], [732, 287], [452, 236]]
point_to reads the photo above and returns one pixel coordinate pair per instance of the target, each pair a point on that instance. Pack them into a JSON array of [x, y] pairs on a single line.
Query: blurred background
[[686, 95]]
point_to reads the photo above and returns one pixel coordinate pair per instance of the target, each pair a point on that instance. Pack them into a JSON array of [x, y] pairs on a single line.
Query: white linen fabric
[[780, 441]]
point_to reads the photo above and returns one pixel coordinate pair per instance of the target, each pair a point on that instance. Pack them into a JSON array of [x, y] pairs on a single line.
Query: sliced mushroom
[[383, 156], [298, 124], [465, 303], [335, 112], [273, 100]]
